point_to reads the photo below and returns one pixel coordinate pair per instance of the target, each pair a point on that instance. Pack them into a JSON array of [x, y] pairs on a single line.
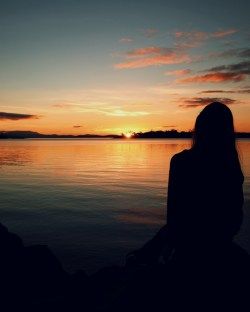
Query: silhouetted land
[[33, 279], [37, 135], [169, 134], [174, 134]]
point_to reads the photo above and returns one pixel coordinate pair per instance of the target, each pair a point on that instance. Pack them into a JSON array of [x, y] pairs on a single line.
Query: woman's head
[[214, 129]]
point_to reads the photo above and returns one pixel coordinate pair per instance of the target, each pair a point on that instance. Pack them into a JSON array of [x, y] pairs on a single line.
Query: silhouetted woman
[[205, 197]]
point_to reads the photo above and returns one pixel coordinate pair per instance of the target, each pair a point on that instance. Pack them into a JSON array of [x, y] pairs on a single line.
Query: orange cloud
[[147, 51], [152, 56], [223, 33], [214, 77], [157, 60], [224, 73], [180, 72], [63, 105]]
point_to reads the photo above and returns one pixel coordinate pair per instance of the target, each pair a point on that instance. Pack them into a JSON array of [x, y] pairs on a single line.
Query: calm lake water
[[92, 201]]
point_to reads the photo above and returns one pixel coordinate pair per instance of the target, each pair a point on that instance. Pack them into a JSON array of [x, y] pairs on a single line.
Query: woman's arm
[[174, 196]]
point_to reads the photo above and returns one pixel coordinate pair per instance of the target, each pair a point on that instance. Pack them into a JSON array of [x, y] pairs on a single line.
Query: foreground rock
[[32, 279]]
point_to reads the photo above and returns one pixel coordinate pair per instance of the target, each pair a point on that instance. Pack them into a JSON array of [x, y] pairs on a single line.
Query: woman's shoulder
[[185, 155], [182, 160]]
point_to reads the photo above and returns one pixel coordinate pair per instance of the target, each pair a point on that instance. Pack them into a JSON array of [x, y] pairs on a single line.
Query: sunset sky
[[117, 66]]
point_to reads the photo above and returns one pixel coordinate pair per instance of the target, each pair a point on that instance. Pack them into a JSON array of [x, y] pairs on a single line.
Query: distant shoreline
[[171, 134]]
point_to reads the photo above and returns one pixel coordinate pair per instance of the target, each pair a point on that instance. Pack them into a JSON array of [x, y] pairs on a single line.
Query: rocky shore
[[33, 279]]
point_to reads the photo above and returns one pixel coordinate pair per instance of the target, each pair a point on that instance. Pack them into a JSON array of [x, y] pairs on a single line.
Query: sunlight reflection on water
[[91, 201]]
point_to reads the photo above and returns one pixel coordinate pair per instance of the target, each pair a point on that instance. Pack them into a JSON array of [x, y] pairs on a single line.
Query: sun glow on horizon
[[128, 135]]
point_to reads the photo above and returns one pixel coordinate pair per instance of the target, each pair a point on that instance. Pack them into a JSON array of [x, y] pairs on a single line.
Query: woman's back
[[204, 198], [205, 185]]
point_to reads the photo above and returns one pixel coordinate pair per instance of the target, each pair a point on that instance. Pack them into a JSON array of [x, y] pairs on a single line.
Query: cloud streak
[[152, 56], [214, 78], [239, 52], [123, 113], [225, 73], [238, 68], [179, 72], [200, 101], [15, 116], [126, 40], [243, 91], [192, 39], [223, 33], [157, 56]]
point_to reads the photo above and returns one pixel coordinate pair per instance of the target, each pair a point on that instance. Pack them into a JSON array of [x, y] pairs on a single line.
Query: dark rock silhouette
[[32, 279], [29, 275]]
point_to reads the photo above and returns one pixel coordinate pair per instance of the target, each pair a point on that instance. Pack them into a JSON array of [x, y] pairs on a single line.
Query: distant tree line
[[162, 134], [173, 134], [37, 135], [168, 134]]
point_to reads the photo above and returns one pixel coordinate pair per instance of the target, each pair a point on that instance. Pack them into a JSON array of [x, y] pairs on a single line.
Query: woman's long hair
[[214, 129], [214, 135]]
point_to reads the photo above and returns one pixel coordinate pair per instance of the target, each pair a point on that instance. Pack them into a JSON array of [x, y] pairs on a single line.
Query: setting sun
[[128, 135]]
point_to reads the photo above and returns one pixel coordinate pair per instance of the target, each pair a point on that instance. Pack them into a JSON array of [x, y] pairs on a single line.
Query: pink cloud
[[180, 72], [153, 61], [152, 56], [201, 35], [146, 51], [179, 34], [214, 77], [223, 33], [192, 39]]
